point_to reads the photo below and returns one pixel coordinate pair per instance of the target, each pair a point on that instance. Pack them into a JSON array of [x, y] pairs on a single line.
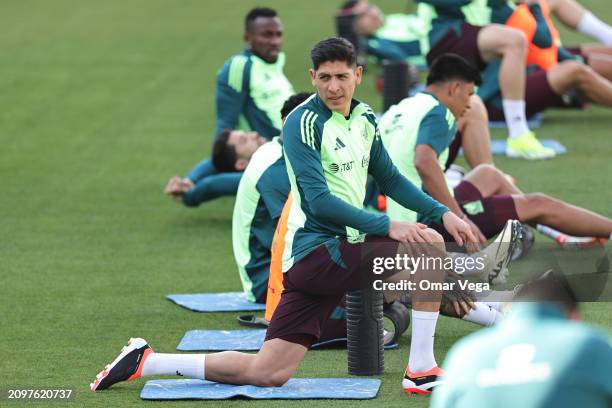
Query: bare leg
[[272, 366], [601, 63], [539, 208], [574, 75], [491, 181], [475, 136], [496, 41], [569, 12]]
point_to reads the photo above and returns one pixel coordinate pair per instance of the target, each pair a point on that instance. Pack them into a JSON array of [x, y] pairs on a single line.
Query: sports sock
[[185, 365], [483, 314], [495, 305], [514, 112], [595, 28], [421, 346]]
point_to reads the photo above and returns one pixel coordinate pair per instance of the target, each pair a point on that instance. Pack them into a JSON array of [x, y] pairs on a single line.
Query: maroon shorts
[[315, 285], [538, 97], [489, 214], [464, 44]]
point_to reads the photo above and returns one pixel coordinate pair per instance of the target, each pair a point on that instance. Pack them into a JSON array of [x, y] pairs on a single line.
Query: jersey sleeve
[[302, 146], [232, 91], [273, 187], [434, 129], [398, 187], [542, 37]]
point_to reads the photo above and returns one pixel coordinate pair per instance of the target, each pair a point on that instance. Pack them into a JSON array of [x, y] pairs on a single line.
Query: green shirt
[[261, 195], [328, 159], [251, 93], [421, 119], [534, 358]]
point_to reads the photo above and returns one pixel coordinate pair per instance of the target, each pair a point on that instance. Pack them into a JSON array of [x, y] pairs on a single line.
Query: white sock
[[495, 305], [483, 315], [421, 345], [595, 28], [514, 112], [185, 365]]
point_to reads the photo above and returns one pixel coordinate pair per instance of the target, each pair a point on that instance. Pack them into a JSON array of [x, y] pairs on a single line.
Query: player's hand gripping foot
[[527, 146], [422, 383], [499, 253], [126, 367]]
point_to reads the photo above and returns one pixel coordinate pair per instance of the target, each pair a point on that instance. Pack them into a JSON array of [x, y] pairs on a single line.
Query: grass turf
[[101, 103]]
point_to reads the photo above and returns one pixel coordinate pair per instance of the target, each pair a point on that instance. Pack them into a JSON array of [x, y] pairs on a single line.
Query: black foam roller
[[364, 323], [397, 82]]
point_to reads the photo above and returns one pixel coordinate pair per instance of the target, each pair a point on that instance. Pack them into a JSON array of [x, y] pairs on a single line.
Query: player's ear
[[313, 75], [358, 74]]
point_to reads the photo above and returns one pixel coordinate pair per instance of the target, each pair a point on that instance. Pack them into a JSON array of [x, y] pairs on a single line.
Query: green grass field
[[101, 102]]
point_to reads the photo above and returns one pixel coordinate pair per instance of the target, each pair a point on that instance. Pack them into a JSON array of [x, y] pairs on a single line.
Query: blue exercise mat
[[216, 302], [240, 340], [295, 388], [498, 147], [534, 123]]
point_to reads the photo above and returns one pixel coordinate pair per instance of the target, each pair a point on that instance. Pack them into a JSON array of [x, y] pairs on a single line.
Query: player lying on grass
[[456, 28], [538, 357], [331, 143], [251, 89], [418, 131], [555, 76]]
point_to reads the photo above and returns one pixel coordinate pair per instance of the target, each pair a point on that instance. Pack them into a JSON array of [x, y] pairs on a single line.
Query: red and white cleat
[[126, 367]]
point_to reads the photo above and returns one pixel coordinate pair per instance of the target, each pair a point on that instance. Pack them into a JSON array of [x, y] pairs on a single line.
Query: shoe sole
[[502, 262], [133, 344], [515, 155], [411, 388]]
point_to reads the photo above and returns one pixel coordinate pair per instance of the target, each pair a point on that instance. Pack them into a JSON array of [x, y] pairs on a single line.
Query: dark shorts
[[315, 285], [489, 214], [464, 44], [538, 97]]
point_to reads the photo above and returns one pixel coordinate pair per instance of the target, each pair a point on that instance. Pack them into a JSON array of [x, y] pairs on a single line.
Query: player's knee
[[516, 41], [573, 70], [275, 379]]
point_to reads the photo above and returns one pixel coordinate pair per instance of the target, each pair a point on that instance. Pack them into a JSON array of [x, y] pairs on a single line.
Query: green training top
[[328, 159], [261, 195], [421, 119], [534, 358], [251, 93]]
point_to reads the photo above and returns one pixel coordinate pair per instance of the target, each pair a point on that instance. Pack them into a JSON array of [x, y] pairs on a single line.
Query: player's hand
[[408, 232], [459, 229], [456, 302], [482, 240]]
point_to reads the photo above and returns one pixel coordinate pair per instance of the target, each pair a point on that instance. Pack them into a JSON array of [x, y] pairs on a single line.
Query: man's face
[[460, 94], [265, 38], [245, 144], [370, 18], [336, 82]]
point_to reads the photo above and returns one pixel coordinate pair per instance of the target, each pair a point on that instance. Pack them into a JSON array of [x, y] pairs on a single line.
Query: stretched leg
[[474, 128], [601, 63], [491, 181], [575, 75], [541, 209], [272, 366], [575, 16]]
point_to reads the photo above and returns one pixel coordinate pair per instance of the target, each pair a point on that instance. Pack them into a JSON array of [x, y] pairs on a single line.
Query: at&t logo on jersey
[[335, 168]]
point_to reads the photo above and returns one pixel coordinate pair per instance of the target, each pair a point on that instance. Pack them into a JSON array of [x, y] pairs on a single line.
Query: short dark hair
[[551, 288], [333, 49], [256, 13], [224, 155], [293, 101], [348, 5], [449, 67]]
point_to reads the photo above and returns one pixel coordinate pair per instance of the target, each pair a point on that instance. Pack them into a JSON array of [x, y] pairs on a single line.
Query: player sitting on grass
[[331, 143], [454, 28], [555, 77], [418, 131], [251, 89]]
